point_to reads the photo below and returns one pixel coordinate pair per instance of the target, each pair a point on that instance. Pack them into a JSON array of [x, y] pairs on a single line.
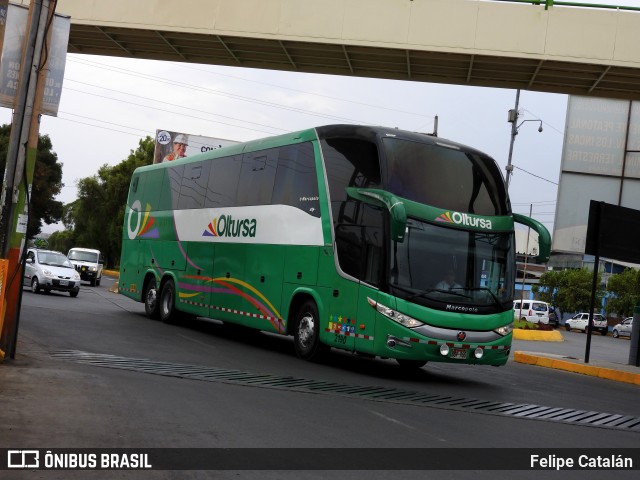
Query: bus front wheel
[[151, 302], [167, 303], [306, 336]]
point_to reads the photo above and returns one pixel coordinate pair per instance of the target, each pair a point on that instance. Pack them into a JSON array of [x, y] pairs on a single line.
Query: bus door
[[360, 255], [342, 318]]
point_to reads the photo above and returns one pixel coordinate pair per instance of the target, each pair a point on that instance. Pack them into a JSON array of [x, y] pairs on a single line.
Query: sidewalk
[[608, 370]]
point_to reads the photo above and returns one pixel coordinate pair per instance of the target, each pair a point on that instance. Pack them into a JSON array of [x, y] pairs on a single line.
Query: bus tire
[[411, 364], [306, 334], [151, 299], [167, 303]]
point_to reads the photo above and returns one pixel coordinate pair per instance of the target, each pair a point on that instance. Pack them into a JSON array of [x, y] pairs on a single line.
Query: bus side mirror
[[393, 204], [544, 237]]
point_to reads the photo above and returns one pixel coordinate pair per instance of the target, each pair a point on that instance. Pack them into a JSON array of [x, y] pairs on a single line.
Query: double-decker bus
[[373, 240]]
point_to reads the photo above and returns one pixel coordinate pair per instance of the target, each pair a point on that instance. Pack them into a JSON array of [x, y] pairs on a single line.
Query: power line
[[165, 103], [535, 203], [210, 91], [169, 111], [189, 67], [537, 176]]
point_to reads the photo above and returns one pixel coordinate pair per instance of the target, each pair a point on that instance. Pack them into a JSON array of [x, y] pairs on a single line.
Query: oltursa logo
[[458, 218], [227, 226]]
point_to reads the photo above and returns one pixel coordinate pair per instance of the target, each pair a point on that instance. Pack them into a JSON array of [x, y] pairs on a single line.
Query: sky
[[109, 104]]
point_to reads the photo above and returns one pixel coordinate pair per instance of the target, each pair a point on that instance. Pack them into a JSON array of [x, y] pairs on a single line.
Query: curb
[[584, 369], [540, 335]]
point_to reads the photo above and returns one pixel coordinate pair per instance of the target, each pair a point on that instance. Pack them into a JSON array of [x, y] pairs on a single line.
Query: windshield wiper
[[493, 295], [423, 293]]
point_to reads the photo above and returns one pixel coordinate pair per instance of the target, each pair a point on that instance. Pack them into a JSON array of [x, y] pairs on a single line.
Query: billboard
[[14, 35], [171, 146], [600, 161]]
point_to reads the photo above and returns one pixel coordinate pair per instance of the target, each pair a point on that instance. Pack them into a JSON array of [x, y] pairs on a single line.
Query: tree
[[47, 182], [568, 290], [62, 241], [97, 216], [624, 290]]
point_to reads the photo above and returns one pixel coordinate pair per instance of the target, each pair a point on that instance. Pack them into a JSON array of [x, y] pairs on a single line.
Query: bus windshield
[[438, 267], [419, 172]]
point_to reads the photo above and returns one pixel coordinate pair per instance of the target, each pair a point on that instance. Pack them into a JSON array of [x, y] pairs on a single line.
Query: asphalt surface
[[32, 377]]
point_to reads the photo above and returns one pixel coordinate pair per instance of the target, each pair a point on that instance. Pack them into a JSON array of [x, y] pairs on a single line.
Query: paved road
[[204, 385]]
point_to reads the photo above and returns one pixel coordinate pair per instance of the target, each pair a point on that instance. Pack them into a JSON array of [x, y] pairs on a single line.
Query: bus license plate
[[459, 353], [63, 283]]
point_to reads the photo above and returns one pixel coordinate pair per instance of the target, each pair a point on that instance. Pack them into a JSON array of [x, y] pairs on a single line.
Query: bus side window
[[222, 189], [296, 182], [175, 173], [360, 245], [257, 176], [194, 185], [350, 163]]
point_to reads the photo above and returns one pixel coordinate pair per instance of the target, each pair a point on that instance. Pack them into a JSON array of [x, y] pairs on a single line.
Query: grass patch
[[524, 325]]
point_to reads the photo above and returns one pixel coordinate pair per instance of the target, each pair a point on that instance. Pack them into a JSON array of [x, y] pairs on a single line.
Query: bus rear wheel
[[306, 334], [167, 303], [151, 301]]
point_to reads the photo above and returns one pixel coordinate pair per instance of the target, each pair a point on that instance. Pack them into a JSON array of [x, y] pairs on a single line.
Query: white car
[[48, 270], [89, 264], [531, 311], [580, 321], [623, 329]]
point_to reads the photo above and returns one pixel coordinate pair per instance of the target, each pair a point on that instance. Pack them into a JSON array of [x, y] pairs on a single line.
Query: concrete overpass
[[508, 44]]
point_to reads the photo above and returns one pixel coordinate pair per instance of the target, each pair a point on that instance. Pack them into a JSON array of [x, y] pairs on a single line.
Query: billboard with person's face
[[170, 146]]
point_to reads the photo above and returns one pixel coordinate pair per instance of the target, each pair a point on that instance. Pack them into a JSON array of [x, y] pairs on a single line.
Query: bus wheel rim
[[306, 330]]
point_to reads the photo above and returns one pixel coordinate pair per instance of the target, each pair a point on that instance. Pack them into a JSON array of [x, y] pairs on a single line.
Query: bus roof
[[363, 132]]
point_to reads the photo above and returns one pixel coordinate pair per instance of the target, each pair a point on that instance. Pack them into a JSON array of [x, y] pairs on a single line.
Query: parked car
[[48, 270], [580, 321], [88, 262], [533, 311], [623, 329]]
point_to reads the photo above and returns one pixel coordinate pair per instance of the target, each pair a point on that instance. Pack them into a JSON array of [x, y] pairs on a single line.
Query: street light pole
[[515, 126], [513, 119]]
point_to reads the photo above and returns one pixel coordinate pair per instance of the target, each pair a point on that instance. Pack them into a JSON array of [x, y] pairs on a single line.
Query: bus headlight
[[506, 330], [390, 313]]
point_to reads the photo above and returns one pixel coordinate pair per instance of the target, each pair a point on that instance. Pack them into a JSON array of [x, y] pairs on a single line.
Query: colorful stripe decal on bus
[[276, 322], [145, 228], [269, 309], [267, 312], [349, 334]]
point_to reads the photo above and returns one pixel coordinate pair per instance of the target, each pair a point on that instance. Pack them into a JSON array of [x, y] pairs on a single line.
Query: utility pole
[[21, 159], [513, 119]]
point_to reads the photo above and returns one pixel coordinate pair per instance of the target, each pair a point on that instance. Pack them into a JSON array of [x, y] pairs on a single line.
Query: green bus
[[377, 241]]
